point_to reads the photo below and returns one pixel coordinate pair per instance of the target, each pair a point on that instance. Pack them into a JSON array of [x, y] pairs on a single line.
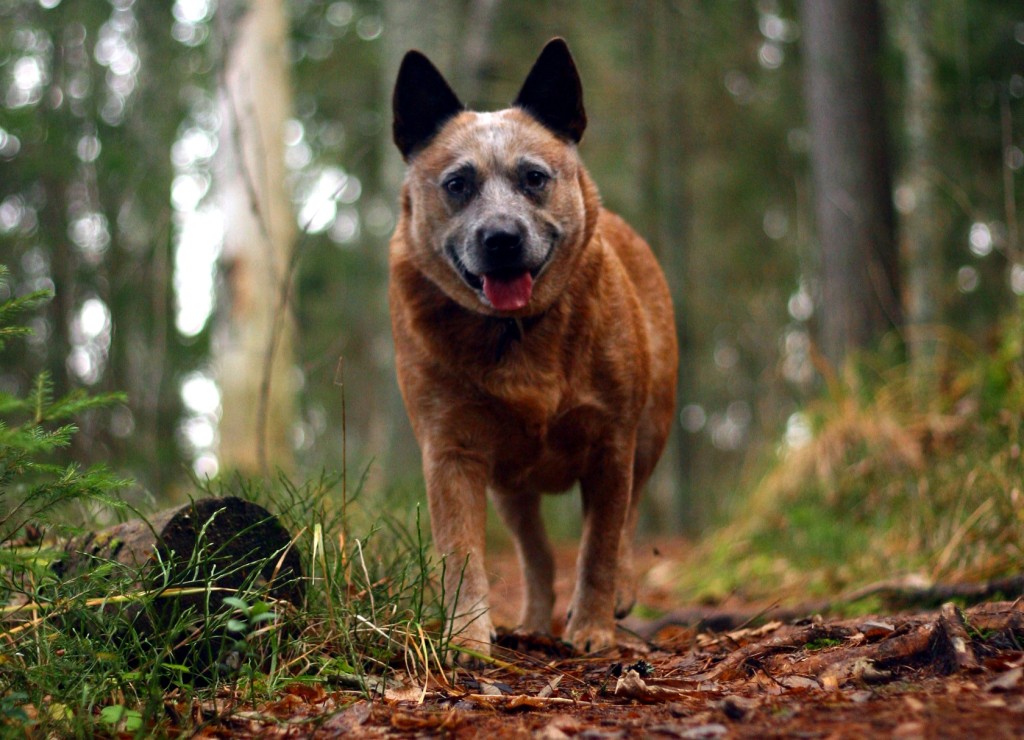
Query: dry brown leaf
[[404, 693], [910, 730], [797, 681], [735, 707], [431, 721], [913, 704], [829, 682], [705, 732], [560, 727], [347, 721], [631, 686], [1006, 681], [549, 689], [311, 693]]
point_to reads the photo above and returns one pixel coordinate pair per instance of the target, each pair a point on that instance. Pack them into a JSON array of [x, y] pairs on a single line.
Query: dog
[[535, 343]]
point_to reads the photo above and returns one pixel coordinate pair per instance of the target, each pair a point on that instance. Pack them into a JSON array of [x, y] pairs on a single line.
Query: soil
[[939, 673]]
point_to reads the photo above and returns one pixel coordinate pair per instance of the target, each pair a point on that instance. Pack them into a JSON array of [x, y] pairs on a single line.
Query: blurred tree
[[860, 301], [665, 138], [85, 126], [253, 345], [916, 197]]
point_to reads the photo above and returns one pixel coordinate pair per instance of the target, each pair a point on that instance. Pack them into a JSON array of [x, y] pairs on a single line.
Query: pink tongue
[[508, 294]]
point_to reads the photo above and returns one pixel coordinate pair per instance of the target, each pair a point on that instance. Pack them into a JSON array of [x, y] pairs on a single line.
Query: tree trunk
[[850, 166], [253, 346], [921, 238], [665, 137]]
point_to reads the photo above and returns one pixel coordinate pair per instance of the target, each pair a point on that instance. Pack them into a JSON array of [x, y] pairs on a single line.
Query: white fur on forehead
[[495, 131], [500, 136]]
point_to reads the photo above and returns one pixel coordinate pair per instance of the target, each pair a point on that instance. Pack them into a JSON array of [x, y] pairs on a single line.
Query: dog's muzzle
[[503, 275]]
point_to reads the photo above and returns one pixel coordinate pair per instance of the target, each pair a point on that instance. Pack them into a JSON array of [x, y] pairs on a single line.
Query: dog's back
[[648, 281]]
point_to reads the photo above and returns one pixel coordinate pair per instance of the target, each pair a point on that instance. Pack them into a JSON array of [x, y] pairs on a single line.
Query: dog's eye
[[457, 186], [536, 180]]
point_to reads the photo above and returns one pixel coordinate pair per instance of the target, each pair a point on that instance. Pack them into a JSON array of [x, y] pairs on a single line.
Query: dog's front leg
[[456, 494], [606, 490]]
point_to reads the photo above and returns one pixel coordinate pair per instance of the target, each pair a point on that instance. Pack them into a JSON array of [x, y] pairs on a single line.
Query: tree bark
[[253, 345], [665, 137], [860, 279], [921, 239]]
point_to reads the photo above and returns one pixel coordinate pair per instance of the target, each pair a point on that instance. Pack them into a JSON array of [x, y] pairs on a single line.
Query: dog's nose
[[502, 243]]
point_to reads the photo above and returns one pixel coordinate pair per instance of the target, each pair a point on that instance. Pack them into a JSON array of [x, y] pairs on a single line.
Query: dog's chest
[[546, 453]]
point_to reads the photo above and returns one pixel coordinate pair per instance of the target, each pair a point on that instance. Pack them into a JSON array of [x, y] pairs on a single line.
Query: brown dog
[[534, 341]]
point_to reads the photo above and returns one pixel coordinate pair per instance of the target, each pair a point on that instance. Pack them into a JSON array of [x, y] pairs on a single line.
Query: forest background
[[122, 125]]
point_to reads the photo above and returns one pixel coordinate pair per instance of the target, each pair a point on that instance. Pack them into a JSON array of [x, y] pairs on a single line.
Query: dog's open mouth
[[508, 291], [505, 290]]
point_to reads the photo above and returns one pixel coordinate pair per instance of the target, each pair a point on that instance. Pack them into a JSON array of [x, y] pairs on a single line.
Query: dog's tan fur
[[578, 385]]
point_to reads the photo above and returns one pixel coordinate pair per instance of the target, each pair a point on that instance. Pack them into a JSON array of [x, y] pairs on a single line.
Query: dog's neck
[[513, 330]]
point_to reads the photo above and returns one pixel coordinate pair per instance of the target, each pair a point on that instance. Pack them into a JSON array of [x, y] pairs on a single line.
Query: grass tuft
[[162, 648], [902, 473]]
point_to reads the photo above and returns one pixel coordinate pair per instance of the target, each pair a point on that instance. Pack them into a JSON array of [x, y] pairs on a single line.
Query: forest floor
[[941, 673]]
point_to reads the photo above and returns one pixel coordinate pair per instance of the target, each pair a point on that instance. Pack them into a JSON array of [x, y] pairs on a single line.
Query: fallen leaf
[[404, 693], [550, 732], [1004, 662], [679, 709], [876, 629], [489, 689], [631, 686], [552, 685], [909, 730], [865, 670], [310, 693], [287, 706], [433, 721], [705, 732], [914, 705], [1006, 681], [735, 707], [347, 721], [799, 682]]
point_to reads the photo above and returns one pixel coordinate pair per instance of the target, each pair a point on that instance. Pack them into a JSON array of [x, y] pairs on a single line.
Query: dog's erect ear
[[422, 103], [553, 94]]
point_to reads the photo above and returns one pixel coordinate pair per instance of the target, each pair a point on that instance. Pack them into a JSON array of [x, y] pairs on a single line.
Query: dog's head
[[497, 206]]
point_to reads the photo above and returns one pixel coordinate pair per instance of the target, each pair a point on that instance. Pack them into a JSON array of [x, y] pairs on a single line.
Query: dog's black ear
[[553, 94], [422, 103]]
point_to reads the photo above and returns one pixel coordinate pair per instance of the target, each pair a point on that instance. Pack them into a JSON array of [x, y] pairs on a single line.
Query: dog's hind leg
[[626, 588], [521, 514], [606, 490]]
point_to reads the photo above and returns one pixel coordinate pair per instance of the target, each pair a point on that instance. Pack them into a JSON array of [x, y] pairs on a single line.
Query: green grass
[[112, 649], [98, 652], [904, 473]]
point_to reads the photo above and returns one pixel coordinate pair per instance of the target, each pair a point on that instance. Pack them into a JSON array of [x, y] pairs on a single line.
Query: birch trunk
[[253, 348]]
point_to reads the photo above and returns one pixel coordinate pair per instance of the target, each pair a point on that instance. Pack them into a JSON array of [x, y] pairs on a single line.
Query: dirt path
[[944, 673]]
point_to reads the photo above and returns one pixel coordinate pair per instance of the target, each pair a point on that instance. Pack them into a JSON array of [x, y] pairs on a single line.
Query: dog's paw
[[470, 645], [625, 598], [590, 638]]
